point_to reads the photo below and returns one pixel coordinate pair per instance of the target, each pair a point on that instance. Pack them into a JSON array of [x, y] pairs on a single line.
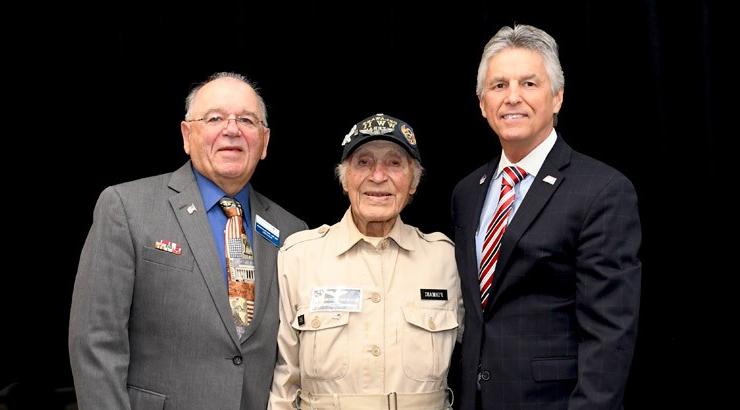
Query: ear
[[482, 106], [343, 181], [266, 136], [557, 101], [412, 167], [185, 130]]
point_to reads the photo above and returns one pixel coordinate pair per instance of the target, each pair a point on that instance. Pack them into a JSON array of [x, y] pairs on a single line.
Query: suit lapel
[[479, 191], [265, 254], [197, 231], [482, 191], [537, 197]]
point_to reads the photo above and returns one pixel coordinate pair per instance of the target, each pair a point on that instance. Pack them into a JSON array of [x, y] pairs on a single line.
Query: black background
[[99, 93]]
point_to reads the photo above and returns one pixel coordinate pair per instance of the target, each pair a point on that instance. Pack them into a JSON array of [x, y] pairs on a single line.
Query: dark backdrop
[[108, 93]]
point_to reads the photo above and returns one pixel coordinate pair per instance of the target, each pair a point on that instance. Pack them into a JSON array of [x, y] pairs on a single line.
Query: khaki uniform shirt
[[401, 337]]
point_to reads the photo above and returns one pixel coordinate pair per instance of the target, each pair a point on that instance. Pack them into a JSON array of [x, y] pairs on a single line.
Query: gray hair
[[417, 169], [527, 37], [225, 74]]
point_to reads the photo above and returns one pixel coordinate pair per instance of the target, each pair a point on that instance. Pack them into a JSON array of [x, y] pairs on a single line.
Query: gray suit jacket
[[150, 328]]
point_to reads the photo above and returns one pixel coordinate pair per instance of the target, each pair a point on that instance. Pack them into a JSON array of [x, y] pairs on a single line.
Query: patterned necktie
[[511, 176], [239, 265]]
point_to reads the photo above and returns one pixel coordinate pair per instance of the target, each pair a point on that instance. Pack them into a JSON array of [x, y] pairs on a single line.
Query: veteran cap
[[380, 127]]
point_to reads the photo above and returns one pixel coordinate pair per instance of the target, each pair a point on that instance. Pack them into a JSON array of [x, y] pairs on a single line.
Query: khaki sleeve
[[286, 380], [460, 309]]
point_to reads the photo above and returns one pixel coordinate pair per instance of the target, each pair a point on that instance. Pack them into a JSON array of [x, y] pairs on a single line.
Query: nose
[[379, 173], [229, 128], [513, 96]]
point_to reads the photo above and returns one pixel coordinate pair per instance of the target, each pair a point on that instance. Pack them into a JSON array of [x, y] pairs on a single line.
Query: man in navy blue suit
[[546, 246]]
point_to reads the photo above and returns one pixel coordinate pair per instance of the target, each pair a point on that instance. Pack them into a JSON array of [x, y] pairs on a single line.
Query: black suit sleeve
[[607, 295]]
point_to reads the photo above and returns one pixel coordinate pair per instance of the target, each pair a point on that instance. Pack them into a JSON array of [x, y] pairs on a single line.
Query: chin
[[373, 214], [231, 170]]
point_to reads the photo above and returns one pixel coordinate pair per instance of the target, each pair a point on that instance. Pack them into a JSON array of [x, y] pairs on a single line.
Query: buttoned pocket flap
[[433, 320], [308, 321]]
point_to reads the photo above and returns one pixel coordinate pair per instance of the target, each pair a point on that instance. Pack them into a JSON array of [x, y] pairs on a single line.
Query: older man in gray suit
[[156, 321]]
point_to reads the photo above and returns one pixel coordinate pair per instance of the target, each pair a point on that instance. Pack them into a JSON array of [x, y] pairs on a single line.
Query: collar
[[533, 161], [348, 235], [211, 193]]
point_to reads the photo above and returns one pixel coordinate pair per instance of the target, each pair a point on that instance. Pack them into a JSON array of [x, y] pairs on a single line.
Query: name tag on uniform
[[336, 300], [433, 294]]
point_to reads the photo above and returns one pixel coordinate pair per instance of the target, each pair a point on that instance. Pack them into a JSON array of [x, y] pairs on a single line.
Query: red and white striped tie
[[511, 176]]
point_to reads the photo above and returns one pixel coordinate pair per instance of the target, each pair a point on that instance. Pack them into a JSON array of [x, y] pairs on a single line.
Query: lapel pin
[[482, 180], [550, 179], [191, 209]]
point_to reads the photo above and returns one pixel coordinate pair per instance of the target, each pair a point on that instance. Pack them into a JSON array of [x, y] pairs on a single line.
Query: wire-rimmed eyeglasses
[[219, 120]]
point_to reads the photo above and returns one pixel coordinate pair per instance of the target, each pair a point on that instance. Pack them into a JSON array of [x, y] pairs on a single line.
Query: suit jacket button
[[485, 375], [237, 360]]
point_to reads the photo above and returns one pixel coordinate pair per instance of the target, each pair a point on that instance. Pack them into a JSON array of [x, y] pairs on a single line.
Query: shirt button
[[375, 351], [237, 360], [432, 326], [323, 229], [384, 244], [315, 323], [375, 297]]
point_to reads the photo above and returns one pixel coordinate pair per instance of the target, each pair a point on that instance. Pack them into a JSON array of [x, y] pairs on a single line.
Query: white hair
[[225, 74], [526, 37]]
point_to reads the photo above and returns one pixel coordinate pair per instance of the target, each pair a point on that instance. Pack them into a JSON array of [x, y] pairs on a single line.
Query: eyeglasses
[[217, 120]]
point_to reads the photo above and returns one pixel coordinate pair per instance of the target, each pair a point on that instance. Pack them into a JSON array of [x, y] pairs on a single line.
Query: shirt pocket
[[428, 339], [324, 344]]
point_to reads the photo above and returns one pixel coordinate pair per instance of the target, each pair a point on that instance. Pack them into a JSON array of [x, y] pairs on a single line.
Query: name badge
[[267, 231], [433, 294], [336, 300]]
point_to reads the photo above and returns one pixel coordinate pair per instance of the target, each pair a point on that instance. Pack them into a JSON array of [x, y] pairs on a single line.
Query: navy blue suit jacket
[[559, 330]]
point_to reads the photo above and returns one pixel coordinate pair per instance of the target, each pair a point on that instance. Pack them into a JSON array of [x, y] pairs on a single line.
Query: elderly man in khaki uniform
[[370, 308]]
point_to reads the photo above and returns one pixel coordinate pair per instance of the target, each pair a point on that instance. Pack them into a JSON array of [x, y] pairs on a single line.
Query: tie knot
[[512, 175], [231, 206]]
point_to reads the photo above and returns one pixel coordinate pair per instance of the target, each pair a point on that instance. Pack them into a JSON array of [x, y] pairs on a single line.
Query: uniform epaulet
[[307, 235], [434, 237]]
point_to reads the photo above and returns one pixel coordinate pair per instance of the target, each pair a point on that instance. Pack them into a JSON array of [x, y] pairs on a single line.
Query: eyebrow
[[520, 79], [220, 111]]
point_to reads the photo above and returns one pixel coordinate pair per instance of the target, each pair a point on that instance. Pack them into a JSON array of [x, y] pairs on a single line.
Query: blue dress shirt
[[211, 194]]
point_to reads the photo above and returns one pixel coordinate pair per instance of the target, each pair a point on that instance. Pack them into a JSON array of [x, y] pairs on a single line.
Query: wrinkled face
[[230, 140], [378, 181], [517, 99]]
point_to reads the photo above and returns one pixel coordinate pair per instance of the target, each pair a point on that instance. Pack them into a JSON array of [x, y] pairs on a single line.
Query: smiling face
[[226, 153], [378, 182], [517, 100]]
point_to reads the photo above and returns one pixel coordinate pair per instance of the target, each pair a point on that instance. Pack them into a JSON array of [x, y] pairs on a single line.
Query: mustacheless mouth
[[514, 115], [377, 194]]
